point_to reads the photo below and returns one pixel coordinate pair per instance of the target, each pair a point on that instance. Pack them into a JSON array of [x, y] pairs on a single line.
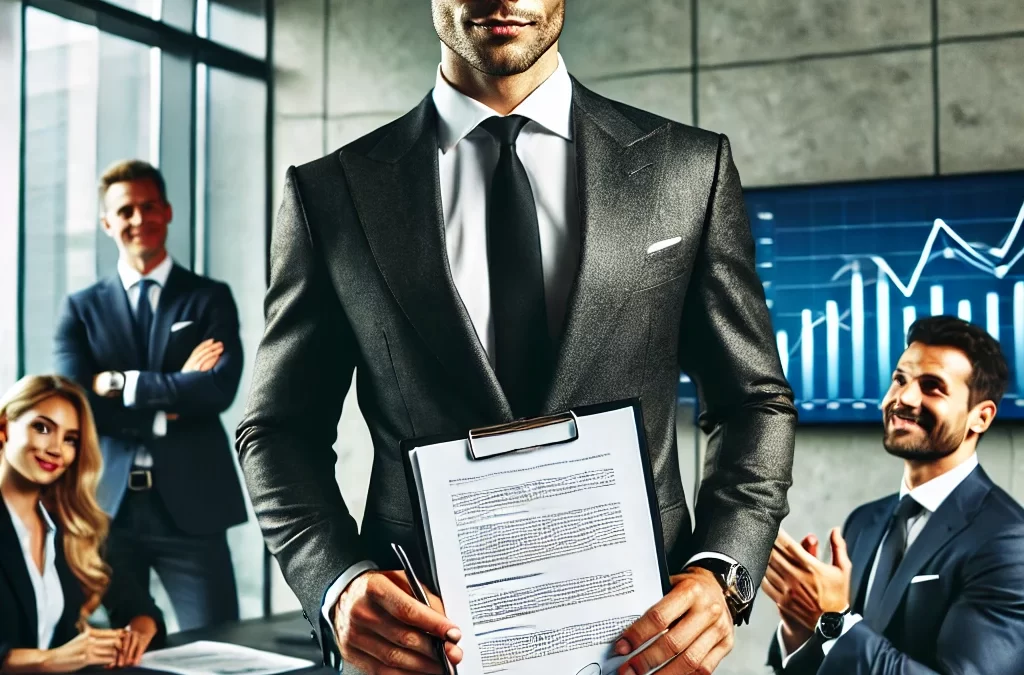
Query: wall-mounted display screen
[[847, 268]]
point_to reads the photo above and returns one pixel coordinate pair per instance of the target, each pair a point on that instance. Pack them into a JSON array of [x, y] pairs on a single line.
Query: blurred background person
[[929, 580], [159, 348], [52, 576]]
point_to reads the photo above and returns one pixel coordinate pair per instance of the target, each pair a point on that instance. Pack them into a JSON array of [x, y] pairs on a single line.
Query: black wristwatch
[[830, 625], [735, 582]]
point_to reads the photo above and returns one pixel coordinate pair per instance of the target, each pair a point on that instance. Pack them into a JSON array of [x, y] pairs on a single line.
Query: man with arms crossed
[[515, 245], [158, 349], [930, 580]]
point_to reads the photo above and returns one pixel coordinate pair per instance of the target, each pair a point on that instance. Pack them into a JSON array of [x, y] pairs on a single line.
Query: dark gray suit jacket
[[193, 470], [969, 619], [360, 280]]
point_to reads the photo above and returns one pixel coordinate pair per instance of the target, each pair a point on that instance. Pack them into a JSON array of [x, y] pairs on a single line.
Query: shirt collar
[[130, 276], [930, 495], [19, 526], [549, 105]]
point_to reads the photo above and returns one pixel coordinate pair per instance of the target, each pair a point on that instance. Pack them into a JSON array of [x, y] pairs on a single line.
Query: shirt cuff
[[341, 583], [849, 621], [786, 656], [160, 424], [131, 385], [710, 554]]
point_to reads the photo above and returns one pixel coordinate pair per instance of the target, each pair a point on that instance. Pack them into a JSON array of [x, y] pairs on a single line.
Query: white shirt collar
[[19, 526], [130, 276], [930, 495], [549, 105]]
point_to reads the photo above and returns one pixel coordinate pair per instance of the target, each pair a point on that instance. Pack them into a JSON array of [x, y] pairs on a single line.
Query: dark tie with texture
[[891, 553], [144, 319], [523, 353]]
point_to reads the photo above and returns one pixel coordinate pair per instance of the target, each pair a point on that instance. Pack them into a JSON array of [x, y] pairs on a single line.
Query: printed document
[[220, 658], [542, 556]]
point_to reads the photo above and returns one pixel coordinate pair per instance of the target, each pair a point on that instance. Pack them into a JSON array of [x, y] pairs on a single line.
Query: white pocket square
[[664, 243], [924, 577], [179, 325]]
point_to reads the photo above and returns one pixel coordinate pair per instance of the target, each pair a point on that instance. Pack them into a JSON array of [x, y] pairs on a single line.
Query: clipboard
[[543, 437]]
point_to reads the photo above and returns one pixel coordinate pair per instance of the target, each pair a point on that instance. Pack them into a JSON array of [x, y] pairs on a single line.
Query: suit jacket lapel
[[395, 189], [122, 333], [955, 513], [12, 562], [163, 318], [865, 549], [73, 595], [617, 178]]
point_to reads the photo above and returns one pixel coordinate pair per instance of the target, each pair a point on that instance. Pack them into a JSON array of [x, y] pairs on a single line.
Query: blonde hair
[[72, 497]]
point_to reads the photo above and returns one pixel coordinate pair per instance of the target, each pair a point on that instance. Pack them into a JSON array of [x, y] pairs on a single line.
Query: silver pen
[[421, 595]]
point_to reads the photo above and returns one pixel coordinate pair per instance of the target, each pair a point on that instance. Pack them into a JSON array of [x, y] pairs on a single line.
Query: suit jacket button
[[312, 636], [304, 615]]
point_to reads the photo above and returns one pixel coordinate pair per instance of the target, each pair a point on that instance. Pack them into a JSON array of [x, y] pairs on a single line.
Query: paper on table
[[542, 556], [220, 658]]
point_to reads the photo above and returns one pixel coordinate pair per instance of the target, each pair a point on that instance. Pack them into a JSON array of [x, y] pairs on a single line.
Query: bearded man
[[929, 580]]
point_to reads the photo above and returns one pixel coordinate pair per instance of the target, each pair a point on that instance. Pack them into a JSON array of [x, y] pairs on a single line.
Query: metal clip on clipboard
[[536, 432]]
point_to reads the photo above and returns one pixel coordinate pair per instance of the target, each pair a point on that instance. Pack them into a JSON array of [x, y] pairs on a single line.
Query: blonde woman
[[51, 529]]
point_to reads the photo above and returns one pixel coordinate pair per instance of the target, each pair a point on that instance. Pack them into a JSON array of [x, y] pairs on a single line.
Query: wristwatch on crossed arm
[[736, 583]]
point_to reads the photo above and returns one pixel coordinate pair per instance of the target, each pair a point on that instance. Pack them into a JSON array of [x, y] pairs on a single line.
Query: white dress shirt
[[467, 156], [46, 585], [130, 279], [930, 496]]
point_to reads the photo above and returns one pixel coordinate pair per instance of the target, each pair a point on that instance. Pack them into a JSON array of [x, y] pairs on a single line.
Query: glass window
[[231, 220], [239, 24], [87, 101], [10, 158], [150, 8]]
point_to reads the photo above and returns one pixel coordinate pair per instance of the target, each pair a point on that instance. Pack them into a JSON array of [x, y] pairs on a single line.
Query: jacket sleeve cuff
[[340, 584]]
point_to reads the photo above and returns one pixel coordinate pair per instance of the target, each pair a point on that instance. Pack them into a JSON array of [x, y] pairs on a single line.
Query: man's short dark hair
[[131, 169], [989, 373]]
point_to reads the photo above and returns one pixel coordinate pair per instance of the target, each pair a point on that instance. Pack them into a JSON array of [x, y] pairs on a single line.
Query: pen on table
[[421, 595]]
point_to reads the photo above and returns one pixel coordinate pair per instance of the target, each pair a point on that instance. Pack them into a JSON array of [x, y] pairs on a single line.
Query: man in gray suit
[[515, 245]]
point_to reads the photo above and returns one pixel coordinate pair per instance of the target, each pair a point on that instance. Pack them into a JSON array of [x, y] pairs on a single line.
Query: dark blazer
[[19, 625], [968, 620], [193, 467], [360, 280]]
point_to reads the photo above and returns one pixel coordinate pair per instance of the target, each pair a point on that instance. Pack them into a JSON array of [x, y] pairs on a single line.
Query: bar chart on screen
[[848, 268]]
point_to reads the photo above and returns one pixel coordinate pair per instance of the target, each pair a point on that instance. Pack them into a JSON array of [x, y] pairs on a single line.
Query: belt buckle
[[140, 479]]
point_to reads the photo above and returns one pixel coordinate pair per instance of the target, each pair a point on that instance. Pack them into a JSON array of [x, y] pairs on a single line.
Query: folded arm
[[73, 359], [727, 346], [199, 392]]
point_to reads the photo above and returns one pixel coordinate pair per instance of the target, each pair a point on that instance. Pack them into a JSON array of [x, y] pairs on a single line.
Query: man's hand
[[103, 383], [804, 587], [700, 638], [794, 633], [204, 356], [382, 628]]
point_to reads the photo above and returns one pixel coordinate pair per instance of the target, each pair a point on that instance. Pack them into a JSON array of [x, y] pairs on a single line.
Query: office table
[[287, 634]]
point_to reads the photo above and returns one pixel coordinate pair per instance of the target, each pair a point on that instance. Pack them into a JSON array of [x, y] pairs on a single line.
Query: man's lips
[[903, 423], [505, 27]]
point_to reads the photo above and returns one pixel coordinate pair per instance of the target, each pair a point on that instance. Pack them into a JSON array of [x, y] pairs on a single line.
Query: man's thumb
[[840, 558]]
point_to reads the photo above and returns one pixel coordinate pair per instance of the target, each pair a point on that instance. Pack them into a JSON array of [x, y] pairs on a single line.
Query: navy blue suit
[[196, 493], [970, 619]]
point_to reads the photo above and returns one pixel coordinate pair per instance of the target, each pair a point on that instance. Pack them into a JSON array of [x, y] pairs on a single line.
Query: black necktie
[[891, 553], [144, 319], [523, 352]]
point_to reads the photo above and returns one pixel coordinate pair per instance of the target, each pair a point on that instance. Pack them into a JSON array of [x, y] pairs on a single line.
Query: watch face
[[744, 584], [831, 625]]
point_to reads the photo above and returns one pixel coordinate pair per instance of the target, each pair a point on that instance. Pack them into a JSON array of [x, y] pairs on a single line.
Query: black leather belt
[[140, 479]]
